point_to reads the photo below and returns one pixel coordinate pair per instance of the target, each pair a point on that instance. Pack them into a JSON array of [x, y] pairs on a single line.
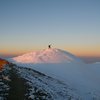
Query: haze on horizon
[[28, 25]]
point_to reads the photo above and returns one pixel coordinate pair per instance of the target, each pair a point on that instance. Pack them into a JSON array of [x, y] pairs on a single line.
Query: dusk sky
[[28, 25]]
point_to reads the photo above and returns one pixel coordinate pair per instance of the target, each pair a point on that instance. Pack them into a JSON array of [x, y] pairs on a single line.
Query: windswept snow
[[43, 87], [85, 78], [29, 84], [50, 55]]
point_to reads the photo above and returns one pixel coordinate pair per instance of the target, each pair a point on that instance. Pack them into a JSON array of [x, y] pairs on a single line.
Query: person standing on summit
[[49, 46]]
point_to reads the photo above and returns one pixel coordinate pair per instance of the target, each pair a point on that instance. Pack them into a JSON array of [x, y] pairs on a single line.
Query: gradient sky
[[28, 25]]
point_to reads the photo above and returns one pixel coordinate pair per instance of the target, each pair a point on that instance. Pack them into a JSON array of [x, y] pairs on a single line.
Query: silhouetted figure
[[49, 46]]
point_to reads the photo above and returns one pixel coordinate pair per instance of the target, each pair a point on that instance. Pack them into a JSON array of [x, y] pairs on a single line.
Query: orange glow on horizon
[[87, 51], [78, 51]]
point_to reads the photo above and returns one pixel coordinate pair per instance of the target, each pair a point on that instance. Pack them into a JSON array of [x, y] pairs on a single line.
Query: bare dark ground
[[18, 87]]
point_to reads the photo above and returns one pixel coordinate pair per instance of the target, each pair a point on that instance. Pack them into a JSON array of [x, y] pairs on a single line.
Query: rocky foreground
[[18, 83]]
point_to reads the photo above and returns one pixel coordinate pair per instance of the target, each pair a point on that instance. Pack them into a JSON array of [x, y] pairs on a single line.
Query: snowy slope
[[50, 55], [43, 87], [29, 84], [85, 78]]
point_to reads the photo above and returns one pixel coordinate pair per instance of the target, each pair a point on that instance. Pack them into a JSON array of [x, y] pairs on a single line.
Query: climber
[[49, 46]]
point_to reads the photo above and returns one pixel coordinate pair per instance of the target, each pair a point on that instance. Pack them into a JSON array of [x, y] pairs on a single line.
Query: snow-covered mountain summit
[[50, 55]]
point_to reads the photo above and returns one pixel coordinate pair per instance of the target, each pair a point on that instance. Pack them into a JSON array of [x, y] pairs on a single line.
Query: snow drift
[[50, 55]]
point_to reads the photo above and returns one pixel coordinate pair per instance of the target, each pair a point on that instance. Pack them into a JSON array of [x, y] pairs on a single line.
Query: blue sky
[[27, 25]]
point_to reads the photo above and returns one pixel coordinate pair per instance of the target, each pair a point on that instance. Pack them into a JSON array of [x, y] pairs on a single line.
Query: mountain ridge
[[50, 55]]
